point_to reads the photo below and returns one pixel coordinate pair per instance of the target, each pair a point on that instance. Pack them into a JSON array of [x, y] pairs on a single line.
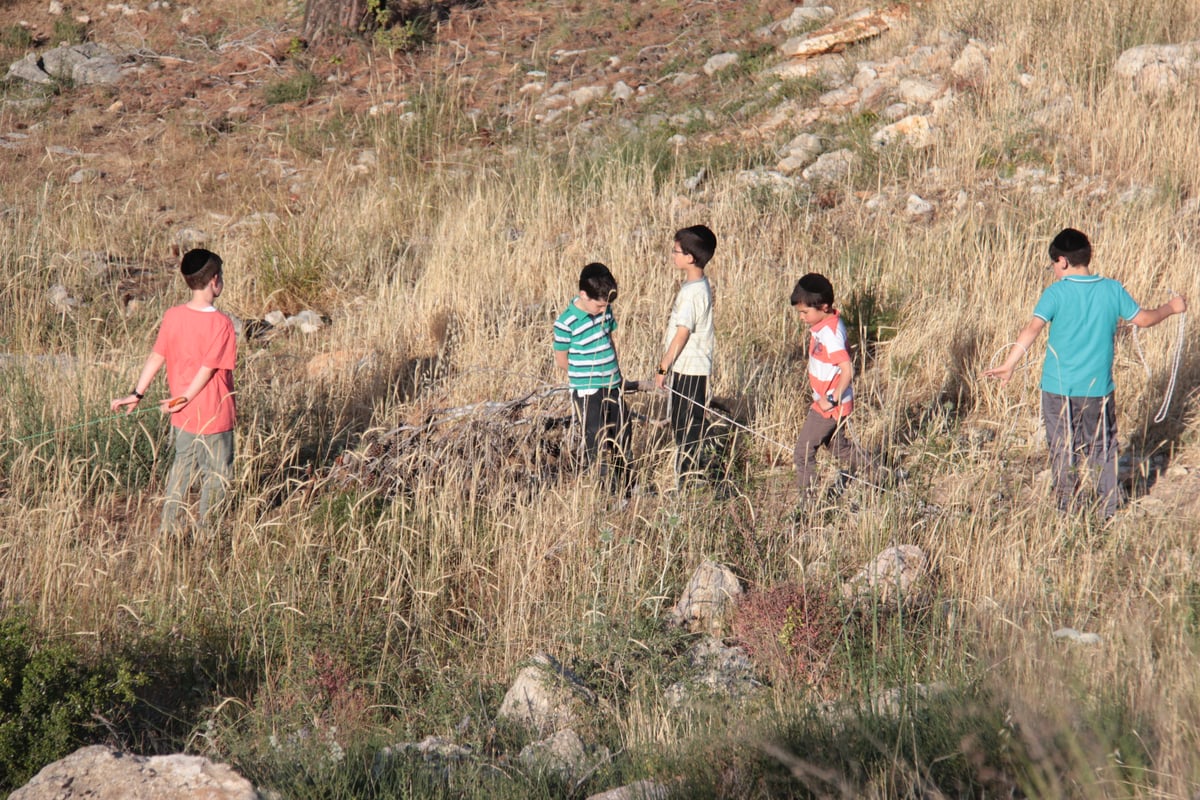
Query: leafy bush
[[52, 701]]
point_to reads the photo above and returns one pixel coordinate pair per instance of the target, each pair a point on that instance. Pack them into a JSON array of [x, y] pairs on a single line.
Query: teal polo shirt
[[1083, 312]]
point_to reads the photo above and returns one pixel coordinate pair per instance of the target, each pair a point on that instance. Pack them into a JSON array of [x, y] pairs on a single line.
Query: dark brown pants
[[818, 431]]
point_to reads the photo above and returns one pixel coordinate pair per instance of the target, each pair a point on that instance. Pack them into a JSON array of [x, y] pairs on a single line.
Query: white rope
[[730, 420], [1020, 365], [781, 445], [1175, 362]]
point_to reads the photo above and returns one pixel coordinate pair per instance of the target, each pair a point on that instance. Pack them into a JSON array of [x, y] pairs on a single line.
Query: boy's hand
[[660, 382], [129, 400], [173, 404], [1178, 304], [1003, 373]]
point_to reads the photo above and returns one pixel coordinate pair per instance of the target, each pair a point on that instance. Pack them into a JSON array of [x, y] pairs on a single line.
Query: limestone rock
[[563, 754], [708, 597], [799, 153], [100, 773], [913, 131], [917, 206], [60, 298], [896, 575], [587, 94], [717, 670], [972, 65], [918, 91], [87, 63], [1072, 635], [719, 62], [546, 696], [806, 16], [1157, 69], [836, 36], [436, 752], [833, 167], [28, 69]]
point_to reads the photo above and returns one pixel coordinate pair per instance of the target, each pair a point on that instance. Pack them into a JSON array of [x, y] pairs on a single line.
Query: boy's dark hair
[[597, 282], [1072, 244], [199, 266], [815, 291], [698, 242]]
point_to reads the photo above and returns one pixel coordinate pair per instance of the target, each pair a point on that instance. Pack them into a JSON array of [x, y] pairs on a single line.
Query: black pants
[[606, 435], [688, 393]]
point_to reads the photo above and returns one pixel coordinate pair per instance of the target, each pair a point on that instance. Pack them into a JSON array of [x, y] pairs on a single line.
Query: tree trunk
[[333, 18]]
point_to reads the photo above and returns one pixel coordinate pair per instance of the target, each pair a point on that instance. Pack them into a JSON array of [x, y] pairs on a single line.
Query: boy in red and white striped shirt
[[830, 373]]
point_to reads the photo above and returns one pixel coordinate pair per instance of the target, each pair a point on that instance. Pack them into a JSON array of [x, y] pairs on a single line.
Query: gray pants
[[818, 431], [211, 457], [1082, 435]]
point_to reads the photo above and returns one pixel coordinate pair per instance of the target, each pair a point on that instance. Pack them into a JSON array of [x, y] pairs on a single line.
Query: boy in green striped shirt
[[585, 350]]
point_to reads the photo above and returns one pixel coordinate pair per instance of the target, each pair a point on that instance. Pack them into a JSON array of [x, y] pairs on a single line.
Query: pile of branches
[[480, 450]]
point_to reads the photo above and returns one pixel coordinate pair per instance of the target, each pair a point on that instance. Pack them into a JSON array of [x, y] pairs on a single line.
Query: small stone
[[971, 66], [709, 597], [913, 131], [693, 182], [587, 94], [85, 174], [719, 63], [919, 92], [805, 17], [831, 167], [60, 298]]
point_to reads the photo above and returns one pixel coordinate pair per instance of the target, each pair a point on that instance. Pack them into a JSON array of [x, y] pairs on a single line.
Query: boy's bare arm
[[1025, 340], [1148, 318], [153, 364], [560, 359], [203, 375], [678, 341]]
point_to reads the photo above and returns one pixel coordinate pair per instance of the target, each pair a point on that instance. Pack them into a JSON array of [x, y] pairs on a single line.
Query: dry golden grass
[[456, 264]]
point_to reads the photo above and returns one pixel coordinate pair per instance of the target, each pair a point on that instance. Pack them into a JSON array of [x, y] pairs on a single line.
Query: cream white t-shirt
[[693, 310]]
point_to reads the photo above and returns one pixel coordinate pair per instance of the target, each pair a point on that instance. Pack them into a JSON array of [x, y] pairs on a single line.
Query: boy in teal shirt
[[585, 349], [1078, 409]]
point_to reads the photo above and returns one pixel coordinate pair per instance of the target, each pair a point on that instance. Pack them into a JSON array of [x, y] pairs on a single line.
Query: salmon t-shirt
[[189, 340]]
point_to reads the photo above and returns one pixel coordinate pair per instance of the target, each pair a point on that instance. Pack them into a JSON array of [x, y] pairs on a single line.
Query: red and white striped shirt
[[827, 351]]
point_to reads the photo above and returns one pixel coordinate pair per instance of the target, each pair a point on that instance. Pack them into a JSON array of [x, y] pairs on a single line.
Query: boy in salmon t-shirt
[[830, 372], [198, 346]]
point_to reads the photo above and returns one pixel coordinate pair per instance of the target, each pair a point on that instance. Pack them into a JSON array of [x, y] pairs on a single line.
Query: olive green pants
[[208, 457]]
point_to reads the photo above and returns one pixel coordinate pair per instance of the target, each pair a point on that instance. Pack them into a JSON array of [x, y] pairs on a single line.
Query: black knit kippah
[[195, 260]]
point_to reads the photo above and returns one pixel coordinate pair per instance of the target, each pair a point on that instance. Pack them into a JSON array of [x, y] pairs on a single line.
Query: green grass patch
[[296, 89]]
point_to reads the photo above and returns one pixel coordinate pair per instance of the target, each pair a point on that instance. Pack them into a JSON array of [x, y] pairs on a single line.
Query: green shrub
[[53, 700]]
